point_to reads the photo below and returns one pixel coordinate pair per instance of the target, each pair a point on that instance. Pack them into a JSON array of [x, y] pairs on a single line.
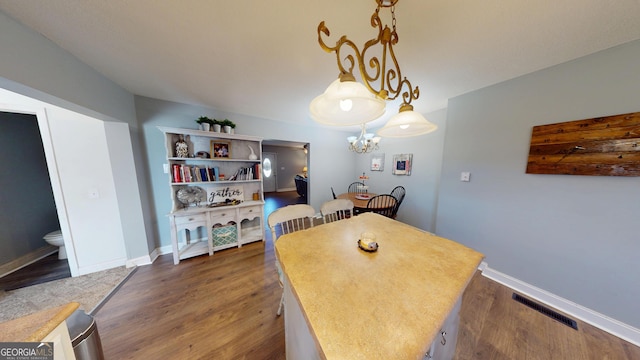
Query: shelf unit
[[224, 210]]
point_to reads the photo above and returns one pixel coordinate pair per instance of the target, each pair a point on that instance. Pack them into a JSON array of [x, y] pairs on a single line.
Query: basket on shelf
[[224, 234]]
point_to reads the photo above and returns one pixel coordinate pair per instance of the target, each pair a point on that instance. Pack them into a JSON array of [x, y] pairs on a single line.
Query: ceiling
[[262, 58]]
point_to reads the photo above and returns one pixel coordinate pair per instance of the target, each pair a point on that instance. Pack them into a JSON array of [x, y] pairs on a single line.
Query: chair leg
[[281, 304]]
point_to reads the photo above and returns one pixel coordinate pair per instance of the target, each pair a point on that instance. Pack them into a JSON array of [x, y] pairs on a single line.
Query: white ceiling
[[262, 58]]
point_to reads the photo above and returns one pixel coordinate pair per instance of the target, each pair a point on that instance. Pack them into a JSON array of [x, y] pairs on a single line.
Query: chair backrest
[[382, 204], [301, 185], [335, 210], [398, 192], [290, 218], [357, 187], [333, 193]]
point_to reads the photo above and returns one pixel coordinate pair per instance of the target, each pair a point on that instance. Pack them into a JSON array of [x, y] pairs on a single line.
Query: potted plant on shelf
[[215, 126], [228, 126], [205, 123]]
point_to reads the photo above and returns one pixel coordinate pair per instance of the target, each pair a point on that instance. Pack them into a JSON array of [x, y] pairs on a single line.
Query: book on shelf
[[176, 173], [186, 173], [196, 174], [216, 173], [256, 171], [203, 174], [244, 173]]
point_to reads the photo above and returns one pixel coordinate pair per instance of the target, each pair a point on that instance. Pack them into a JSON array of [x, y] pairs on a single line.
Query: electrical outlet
[[165, 167], [465, 176]]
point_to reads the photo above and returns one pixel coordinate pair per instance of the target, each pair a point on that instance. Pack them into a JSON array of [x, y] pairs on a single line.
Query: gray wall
[[292, 160], [326, 145], [33, 66], [40, 69], [28, 210], [574, 236], [419, 206]]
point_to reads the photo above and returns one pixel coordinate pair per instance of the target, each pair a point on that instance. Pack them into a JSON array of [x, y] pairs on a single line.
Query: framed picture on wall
[[402, 164], [220, 149], [377, 162]]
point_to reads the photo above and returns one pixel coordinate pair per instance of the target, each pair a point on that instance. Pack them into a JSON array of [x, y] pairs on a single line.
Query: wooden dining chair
[[286, 220], [335, 210], [382, 204], [398, 192], [357, 187]]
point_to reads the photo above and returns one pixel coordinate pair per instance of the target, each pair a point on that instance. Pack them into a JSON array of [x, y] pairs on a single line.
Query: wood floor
[[219, 307], [44, 270], [223, 307]]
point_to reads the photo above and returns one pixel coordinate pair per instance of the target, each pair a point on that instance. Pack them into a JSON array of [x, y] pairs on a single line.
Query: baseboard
[[139, 261], [286, 189], [102, 266], [27, 259], [603, 322], [154, 255], [149, 259]]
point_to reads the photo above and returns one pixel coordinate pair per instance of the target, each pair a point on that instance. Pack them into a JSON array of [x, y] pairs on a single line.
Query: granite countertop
[[36, 326], [389, 304]]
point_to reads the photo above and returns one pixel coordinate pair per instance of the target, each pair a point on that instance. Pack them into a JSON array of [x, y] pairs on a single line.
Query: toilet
[[55, 238]]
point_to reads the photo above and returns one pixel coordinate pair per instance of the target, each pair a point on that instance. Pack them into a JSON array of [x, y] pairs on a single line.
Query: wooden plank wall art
[[608, 146]]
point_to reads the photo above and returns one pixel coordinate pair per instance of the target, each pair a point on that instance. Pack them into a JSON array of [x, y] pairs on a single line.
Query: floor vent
[[546, 311]]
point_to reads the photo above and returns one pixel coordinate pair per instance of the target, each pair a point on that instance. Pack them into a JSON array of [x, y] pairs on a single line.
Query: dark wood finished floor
[[218, 307], [223, 307], [46, 269]]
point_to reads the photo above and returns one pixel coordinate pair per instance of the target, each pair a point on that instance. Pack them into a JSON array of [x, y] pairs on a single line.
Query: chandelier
[[347, 102], [365, 143]]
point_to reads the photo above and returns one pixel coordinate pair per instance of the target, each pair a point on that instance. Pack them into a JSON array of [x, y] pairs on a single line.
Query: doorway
[[29, 209], [285, 160]]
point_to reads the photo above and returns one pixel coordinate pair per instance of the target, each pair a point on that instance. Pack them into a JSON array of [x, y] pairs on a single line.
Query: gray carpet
[[89, 290]]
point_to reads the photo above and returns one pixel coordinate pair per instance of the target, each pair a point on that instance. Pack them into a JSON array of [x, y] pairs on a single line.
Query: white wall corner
[[139, 261], [614, 327], [163, 250]]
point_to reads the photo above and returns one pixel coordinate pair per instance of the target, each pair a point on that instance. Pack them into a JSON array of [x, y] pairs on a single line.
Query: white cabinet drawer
[[250, 212], [222, 216], [190, 219]]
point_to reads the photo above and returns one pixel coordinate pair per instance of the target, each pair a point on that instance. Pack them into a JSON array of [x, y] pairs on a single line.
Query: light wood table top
[[384, 305], [36, 326], [357, 203]]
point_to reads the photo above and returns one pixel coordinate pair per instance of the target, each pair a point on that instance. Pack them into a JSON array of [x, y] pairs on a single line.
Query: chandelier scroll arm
[[350, 102]]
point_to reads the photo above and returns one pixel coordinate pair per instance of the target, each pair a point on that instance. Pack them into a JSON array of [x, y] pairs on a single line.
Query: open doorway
[[29, 210], [285, 165]]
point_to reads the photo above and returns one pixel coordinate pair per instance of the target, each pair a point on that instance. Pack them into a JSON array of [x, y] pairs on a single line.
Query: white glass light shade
[[360, 105], [405, 124]]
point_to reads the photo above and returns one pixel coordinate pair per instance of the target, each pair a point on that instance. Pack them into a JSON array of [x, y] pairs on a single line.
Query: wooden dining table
[[359, 200]]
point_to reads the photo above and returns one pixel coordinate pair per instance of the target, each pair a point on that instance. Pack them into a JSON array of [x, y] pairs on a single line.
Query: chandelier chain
[[393, 17]]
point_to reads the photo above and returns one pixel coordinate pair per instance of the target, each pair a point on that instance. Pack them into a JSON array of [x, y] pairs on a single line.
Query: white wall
[[573, 236], [79, 161]]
